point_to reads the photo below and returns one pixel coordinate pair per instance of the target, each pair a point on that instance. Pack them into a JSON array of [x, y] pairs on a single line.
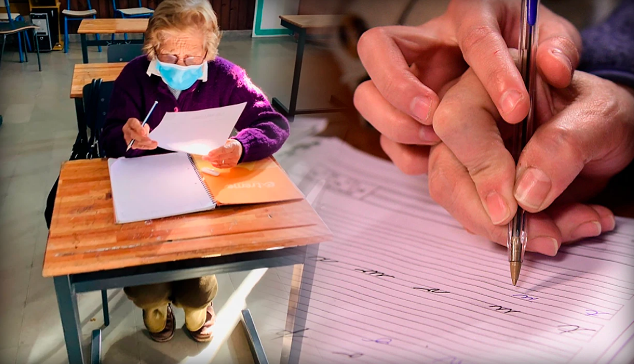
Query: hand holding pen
[[136, 133]]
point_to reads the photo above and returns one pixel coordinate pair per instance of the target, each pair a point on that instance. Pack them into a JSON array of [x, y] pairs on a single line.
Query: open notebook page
[[156, 186], [402, 282]]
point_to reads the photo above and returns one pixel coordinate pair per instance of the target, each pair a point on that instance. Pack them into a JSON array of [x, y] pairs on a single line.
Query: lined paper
[[402, 282]]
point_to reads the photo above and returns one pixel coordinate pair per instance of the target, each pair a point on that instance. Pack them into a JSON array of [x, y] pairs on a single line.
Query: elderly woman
[[182, 72]]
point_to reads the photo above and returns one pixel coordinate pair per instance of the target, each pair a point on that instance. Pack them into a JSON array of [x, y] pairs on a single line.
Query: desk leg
[[67, 302], [84, 48], [259, 356], [299, 57], [298, 302]]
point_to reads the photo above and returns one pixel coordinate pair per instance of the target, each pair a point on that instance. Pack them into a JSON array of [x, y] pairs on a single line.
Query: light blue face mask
[[179, 77]]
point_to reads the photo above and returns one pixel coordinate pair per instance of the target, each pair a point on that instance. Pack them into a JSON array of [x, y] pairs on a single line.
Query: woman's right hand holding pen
[[132, 130]]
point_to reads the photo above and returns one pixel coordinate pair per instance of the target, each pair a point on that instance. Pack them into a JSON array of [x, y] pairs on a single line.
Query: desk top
[[313, 21], [84, 73], [84, 237], [95, 26]]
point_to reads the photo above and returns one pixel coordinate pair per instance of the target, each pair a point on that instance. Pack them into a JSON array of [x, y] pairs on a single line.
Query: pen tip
[[515, 271]]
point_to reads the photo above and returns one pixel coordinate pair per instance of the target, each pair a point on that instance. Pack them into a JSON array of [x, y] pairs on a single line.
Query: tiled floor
[[37, 134]]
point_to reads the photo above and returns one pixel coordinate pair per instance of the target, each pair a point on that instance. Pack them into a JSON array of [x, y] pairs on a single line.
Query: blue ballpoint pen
[[143, 124], [517, 236]]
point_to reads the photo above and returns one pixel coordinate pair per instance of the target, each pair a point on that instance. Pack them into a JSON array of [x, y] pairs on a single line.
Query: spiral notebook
[[164, 185]]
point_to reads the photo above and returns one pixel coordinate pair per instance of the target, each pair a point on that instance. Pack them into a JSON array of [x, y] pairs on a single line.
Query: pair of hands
[[226, 156], [445, 102]]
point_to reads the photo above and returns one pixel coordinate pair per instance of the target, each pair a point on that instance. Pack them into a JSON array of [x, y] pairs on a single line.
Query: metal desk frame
[[68, 286], [291, 111], [85, 43]]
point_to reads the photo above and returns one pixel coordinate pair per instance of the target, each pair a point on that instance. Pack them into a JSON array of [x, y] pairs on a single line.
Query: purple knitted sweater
[[608, 48], [261, 130]]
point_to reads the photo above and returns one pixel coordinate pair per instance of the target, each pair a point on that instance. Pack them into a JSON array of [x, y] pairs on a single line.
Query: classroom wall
[[232, 14], [267, 17]]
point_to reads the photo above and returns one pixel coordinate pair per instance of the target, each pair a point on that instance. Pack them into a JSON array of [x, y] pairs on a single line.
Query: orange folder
[[248, 183]]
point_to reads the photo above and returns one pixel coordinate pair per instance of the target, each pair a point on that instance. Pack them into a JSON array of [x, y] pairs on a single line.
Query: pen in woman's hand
[[143, 124], [517, 229]]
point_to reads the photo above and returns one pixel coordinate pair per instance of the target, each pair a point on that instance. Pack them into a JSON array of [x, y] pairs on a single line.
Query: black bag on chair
[[96, 98]]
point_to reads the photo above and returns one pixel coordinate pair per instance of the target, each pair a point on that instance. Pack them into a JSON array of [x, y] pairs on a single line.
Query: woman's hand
[[584, 136], [226, 156], [411, 66], [132, 130]]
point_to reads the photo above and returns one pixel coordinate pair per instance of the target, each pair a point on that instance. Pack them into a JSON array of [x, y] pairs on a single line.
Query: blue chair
[[11, 18], [77, 15], [140, 12]]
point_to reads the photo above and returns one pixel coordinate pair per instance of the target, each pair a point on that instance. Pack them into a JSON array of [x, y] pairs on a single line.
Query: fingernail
[[532, 189], [545, 245], [428, 135], [420, 108], [559, 54], [586, 230], [496, 208], [510, 99]]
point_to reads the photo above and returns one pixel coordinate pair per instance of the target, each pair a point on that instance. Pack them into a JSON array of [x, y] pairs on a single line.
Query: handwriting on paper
[[374, 273], [501, 309], [350, 355], [430, 290], [382, 341], [524, 297]]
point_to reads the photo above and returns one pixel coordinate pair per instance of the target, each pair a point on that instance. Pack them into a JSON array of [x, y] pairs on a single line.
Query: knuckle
[[367, 39], [474, 36], [444, 119], [562, 141]]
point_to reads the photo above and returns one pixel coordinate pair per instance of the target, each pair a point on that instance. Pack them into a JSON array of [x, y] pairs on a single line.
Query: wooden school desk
[[300, 24], [87, 251], [109, 26]]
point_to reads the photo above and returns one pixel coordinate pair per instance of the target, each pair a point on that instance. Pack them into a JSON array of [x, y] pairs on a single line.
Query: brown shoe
[[168, 332], [205, 333]]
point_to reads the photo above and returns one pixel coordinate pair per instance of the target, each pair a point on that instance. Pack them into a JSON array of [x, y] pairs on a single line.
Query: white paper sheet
[[156, 186], [197, 132], [402, 282]]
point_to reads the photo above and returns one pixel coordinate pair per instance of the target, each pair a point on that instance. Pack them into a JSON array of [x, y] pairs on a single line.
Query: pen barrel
[[517, 239], [527, 50]]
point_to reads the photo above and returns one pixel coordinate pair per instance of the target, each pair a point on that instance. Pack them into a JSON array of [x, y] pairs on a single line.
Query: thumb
[[588, 134]]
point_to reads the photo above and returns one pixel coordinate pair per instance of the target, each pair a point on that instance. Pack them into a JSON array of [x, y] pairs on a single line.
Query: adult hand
[[133, 130], [226, 156], [584, 136], [411, 66]]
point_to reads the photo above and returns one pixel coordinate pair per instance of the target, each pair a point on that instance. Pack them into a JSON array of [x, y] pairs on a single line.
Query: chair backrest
[[124, 52], [69, 8], [96, 97], [114, 4], [5, 4]]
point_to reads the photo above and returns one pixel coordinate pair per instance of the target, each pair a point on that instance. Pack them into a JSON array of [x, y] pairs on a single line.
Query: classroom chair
[[70, 14], [140, 12], [20, 28], [124, 52], [10, 18]]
